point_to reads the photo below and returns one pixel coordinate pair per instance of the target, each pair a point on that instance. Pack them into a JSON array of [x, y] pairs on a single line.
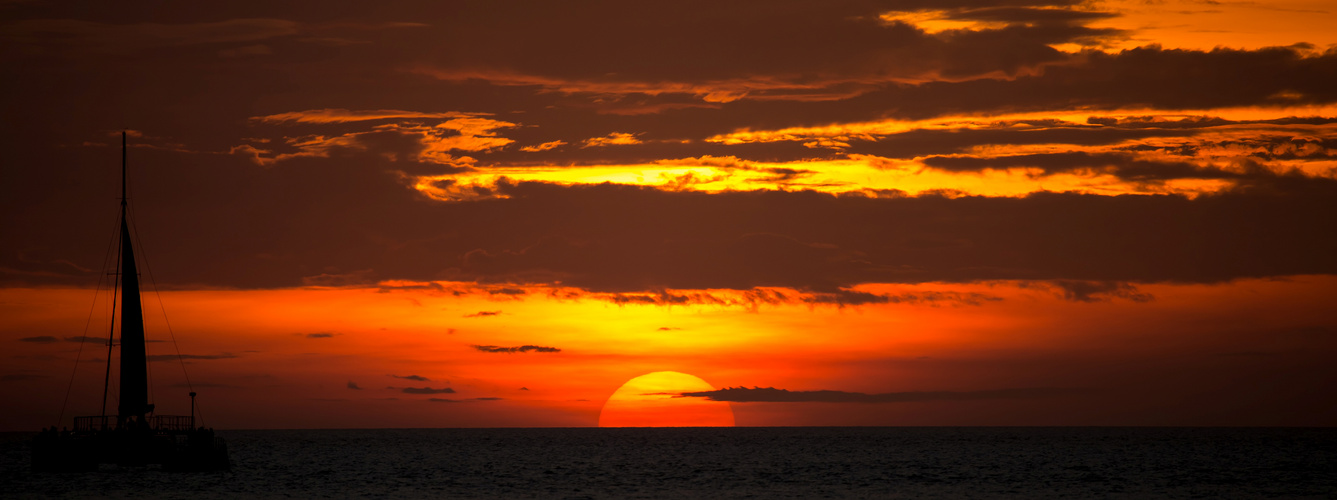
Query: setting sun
[[654, 400]]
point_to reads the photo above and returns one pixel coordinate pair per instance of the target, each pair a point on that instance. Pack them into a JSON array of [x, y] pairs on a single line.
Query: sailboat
[[135, 436]]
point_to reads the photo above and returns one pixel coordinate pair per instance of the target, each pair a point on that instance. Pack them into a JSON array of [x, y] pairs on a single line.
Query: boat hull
[[194, 451]]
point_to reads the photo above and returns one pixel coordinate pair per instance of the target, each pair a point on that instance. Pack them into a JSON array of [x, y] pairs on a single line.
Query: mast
[[134, 361]]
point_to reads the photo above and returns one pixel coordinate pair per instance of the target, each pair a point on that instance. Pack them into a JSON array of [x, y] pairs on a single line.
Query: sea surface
[[804, 462]]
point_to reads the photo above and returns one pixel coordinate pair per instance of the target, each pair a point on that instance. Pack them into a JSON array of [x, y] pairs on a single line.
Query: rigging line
[[111, 334], [106, 258]]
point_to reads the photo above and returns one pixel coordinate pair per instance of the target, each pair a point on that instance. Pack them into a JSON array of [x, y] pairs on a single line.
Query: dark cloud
[[1123, 165], [732, 42], [523, 348], [482, 314], [353, 385], [857, 298], [212, 385], [1098, 291], [668, 298], [1149, 77], [79, 338], [73, 36], [444, 400], [1144, 78], [773, 395], [92, 340], [44, 339], [757, 296], [320, 335], [1024, 14], [175, 357], [416, 378], [824, 243], [426, 390], [918, 5]]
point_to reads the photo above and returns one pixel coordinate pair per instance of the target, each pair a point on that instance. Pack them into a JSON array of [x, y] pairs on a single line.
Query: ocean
[[767, 462]]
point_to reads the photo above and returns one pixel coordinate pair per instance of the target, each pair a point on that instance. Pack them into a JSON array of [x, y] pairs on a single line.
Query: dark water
[[730, 463]]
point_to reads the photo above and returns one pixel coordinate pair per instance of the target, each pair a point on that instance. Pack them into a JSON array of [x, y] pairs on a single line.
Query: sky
[[480, 214]]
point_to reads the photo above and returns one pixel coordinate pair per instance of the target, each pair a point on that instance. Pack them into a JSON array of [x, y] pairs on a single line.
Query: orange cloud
[[332, 115], [544, 146], [311, 146], [936, 21], [714, 91], [613, 139], [467, 132], [472, 133], [122, 38]]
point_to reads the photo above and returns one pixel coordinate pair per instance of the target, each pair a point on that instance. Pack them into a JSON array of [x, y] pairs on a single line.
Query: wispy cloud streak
[[773, 395]]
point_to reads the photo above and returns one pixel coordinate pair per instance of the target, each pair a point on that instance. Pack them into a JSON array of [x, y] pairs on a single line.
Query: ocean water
[[860, 462]]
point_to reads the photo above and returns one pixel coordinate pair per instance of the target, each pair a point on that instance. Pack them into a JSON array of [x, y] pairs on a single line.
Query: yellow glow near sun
[[653, 400], [878, 176]]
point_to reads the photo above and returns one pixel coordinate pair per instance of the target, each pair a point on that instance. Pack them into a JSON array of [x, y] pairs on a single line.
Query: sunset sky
[[908, 212]]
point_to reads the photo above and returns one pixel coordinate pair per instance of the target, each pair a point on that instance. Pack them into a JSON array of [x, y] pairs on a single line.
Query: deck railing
[[172, 423], [159, 423], [94, 423]]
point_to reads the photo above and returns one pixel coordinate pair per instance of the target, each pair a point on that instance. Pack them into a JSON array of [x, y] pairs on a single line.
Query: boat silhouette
[[134, 436]]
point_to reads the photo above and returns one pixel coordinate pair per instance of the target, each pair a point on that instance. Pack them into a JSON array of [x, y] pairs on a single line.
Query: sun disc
[[654, 400]]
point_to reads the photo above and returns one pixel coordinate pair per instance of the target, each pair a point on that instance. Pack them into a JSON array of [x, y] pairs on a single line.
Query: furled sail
[[134, 362]]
